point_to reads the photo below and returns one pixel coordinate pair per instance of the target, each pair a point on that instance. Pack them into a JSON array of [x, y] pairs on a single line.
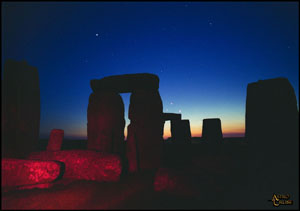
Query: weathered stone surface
[[212, 130], [272, 133], [126, 83], [21, 109], [19, 172], [85, 164], [145, 132], [55, 140], [171, 116], [181, 131], [105, 129]]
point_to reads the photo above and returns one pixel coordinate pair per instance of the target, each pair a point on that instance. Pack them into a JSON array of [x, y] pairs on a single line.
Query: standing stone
[[145, 132], [181, 131], [272, 133], [21, 109], [106, 122], [55, 140], [212, 131]]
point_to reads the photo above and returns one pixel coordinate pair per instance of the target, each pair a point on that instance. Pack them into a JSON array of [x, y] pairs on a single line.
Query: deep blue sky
[[204, 53]]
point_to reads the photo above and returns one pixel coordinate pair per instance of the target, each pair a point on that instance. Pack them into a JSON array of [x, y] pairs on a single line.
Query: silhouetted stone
[[180, 130], [21, 109], [85, 164], [19, 172], [171, 116], [145, 132], [272, 133], [212, 131], [106, 122], [55, 140], [126, 83]]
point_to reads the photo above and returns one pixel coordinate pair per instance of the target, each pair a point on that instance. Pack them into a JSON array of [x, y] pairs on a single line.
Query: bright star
[[97, 34]]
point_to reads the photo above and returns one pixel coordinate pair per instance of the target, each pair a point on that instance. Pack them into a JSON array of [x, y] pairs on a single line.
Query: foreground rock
[[20, 109], [126, 83], [106, 123], [19, 172], [85, 164]]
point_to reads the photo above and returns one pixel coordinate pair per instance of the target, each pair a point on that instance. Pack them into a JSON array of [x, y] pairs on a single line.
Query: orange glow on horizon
[[196, 131]]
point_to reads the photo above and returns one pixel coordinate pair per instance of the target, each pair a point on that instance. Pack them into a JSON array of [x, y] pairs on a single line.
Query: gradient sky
[[204, 53]]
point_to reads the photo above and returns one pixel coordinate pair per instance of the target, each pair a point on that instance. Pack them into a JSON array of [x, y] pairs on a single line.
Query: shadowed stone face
[[144, 142], [21, 109], [272, 121], [106, 122], [181, 131]]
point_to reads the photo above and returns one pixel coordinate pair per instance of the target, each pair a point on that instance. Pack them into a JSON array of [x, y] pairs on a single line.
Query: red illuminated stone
[[174, 182], [85, 164], [18, 172], [55, 140], [105, 129]]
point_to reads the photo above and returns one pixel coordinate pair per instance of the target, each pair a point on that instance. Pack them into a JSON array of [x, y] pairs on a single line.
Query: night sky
[[204, 53]]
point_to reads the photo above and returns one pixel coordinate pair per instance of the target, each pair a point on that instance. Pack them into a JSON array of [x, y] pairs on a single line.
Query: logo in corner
[[281, 199]]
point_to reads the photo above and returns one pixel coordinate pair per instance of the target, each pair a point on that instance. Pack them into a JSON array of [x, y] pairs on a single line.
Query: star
[[171, 103], [179, 111], [97, 34], [210, 23]]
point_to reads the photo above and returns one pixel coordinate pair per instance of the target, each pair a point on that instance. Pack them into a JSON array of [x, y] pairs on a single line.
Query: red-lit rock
[[18, 172], [105, 129], [55, 140], [85, 164], [21, 109], [145, 132], [174, 182]]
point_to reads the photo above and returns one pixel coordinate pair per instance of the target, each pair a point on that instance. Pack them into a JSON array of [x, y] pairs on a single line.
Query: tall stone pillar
[[272, 133], [106, 122], [145, 132], [20, 109]]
